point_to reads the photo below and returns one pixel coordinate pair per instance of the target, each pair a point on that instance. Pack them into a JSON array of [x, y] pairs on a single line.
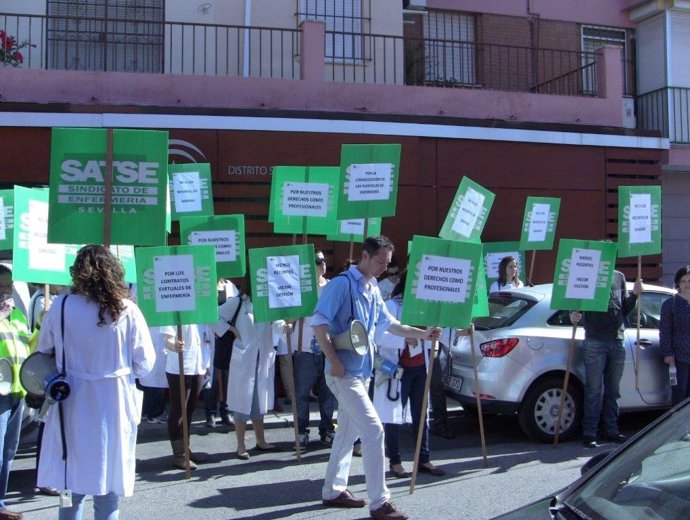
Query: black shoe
[[327, 438], [211, 422], [589, 442], [226, 420], [618, 438]]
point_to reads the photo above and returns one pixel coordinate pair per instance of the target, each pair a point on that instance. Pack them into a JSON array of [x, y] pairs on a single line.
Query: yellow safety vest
[[14, 345]]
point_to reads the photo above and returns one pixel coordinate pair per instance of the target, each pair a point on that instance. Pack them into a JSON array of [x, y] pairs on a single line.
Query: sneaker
[[589, 442], [211, 422], [303, 440], [327, 438], [388, 512], [157, 420], [618, 438], [226, 420]]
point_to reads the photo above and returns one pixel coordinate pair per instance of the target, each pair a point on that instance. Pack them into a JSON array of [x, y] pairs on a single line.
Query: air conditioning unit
[[629, 120]]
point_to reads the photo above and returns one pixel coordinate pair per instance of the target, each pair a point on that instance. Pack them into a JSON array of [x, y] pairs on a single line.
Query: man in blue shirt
[[355, 295]]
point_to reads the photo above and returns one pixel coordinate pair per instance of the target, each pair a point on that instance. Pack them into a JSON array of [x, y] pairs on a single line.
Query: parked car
[[522, 350], [647, 477]]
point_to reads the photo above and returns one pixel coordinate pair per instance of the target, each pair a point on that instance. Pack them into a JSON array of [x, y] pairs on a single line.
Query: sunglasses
[[319, 261]]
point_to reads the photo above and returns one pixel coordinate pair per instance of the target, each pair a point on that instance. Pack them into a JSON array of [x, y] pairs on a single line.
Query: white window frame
[[344, 26]]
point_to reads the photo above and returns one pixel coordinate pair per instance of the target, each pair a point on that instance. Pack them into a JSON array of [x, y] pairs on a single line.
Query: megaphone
[[386, 369], [40, 378], [355, 338], [6, 377]]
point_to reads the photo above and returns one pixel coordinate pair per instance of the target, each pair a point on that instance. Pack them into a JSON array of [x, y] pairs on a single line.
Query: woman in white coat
[[391, 396], [252, 370], [106, 346]]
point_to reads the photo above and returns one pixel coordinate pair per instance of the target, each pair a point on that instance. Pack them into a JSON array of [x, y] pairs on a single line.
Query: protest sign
[[283, 282], [352, 230], [77, 186], [126, 256], [225, 233], [6, 219], [480, 306], [177, 284], [34, 259], [303, 199], [639, 220], [441, 282], [583, 275], [494, 252], [368, 185], [539, 223], [190, 190], [468, 212]]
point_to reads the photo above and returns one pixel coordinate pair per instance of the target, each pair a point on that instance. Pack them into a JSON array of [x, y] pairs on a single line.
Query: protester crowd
[[100, 340]]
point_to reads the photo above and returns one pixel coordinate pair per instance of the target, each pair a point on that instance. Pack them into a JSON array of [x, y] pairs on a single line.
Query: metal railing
[[666, 110]]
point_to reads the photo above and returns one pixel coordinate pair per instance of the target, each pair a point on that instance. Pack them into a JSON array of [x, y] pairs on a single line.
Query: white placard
[[443, 279], [640, 223], [174, 283], [369, 181], [123, 252], [187, 192], [583, 274], [3, 223], [468, 212], [305, 199], [42, 255], [225, 241], [491, 261], [352, 227], [283, 281], [539, 222]]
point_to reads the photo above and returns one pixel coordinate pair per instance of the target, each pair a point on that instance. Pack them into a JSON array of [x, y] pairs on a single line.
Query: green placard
[[539, 223], [190, 190], [126, 256], [303, 199], [440, 289], [352, 230], [283, 282], [33, 259], [368, 180], [583, 275], [494, 252], [6, 219], [139, 187], [225, 233], [639, 220], [468, 212], [177, 284], [480, 306]]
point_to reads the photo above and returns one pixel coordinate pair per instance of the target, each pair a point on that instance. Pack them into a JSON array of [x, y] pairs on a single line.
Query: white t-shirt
[[510, 285], [197, 354]]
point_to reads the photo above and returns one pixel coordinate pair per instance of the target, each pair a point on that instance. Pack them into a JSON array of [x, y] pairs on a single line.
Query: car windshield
[[504, 310], [648, 480]]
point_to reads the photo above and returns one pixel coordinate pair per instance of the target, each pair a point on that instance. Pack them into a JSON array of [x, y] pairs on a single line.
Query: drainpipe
[[247, 22]]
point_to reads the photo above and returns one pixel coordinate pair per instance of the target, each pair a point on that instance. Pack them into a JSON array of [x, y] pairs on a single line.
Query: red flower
[[19, 57]]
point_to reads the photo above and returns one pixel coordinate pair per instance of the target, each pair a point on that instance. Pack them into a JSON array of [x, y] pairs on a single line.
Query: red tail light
[[498, 347]]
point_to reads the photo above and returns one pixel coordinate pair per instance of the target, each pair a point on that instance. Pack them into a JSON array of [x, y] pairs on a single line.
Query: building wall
[[675, 222]]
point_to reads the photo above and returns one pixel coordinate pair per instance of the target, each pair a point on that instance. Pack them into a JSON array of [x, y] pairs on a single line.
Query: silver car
[[522, 349]]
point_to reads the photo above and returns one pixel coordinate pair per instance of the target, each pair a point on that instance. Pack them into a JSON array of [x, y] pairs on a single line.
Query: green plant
[[9, 50]]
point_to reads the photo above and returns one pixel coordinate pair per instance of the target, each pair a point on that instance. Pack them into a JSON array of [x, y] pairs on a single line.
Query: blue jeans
[[11, 407], [219, 385], [604, 361], [412, 388], [682, 390], [309, 371], [105, 507]]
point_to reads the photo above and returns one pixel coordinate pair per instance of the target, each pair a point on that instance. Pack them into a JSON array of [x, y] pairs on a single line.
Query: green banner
[[139, 186], [353, 230], [494, 252], [639, 220], [33, 258], [441, 282], [226, 234], [283, 282], [539, 223], [583, 275], [6, 219], [303, 199], [190, 190], [468, 212], [177, 285], [368, 180], [480, 306]]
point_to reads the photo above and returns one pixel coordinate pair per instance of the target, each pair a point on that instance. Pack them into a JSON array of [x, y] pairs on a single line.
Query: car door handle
[[644, 343]]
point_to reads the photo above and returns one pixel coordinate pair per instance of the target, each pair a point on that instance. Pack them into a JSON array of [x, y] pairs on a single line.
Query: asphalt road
[[275, 485]]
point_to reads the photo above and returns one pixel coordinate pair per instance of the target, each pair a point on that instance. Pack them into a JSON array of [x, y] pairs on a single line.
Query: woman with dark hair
[[674, 334], [104, 346], [507, 275]]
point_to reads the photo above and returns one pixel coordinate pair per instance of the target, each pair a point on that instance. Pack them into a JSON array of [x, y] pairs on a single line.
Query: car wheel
[[538, 413]]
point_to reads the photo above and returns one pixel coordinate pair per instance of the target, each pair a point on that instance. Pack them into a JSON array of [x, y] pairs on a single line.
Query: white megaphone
[[355, 338], [40, 378]]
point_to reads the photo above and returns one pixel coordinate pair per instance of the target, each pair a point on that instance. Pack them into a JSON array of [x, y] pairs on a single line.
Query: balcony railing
[[82, 43], [668, 111]]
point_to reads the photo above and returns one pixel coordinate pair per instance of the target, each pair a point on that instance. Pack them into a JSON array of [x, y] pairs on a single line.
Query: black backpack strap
[[237, 311], [352, 299], [62, 333]]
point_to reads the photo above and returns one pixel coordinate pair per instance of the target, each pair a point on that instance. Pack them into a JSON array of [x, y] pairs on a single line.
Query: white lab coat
[[253, 358], [100, 414], [197, 353], [156, 378]]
